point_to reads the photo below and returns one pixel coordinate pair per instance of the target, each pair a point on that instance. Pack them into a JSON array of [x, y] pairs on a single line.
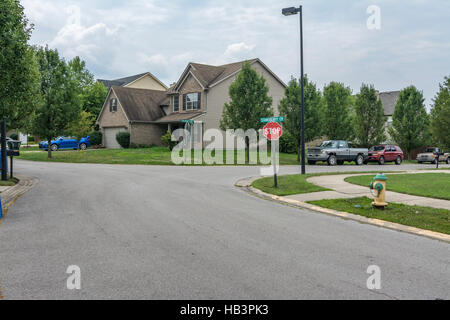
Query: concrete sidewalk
[[343, 189]]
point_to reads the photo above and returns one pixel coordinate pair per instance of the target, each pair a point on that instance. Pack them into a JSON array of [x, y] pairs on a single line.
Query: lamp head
[[290, 11]]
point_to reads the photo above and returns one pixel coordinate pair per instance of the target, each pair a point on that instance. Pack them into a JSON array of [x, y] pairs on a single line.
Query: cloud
[[237, 50]]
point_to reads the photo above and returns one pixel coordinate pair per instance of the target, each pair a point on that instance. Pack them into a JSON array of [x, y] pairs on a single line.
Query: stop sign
[[273, 131]]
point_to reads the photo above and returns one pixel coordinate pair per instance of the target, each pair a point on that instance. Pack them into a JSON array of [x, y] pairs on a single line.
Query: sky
[[118, 38]]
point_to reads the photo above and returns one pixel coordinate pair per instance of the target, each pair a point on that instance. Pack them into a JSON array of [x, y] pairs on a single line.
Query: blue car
[[62, 143]]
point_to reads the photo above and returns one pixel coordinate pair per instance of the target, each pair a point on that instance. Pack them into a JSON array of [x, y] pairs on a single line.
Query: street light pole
[[288, 12]]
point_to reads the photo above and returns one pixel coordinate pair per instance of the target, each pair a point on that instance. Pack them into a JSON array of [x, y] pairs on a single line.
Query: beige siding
[[147, 134], [218, 96], [146, 82], [110, 119]]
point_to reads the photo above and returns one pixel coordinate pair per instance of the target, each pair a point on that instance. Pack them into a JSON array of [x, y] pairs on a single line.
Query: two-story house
[[199, 94]]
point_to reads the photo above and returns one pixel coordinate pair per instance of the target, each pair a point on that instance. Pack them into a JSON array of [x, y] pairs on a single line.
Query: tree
[[60, 104], [440, 115], [337, 122], [93, 98], [410, 121], [82, 126], [369, 121], [19, 76], [249, 103], [290, 107]]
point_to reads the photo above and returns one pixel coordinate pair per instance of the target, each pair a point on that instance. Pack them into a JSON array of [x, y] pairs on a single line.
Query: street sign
[[273, 119], [187, 121], [272, 131]]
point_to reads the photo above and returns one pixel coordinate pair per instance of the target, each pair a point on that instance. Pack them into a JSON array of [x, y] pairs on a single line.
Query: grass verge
[[414, 216], [9, 182], [287, 185], [432, 185]]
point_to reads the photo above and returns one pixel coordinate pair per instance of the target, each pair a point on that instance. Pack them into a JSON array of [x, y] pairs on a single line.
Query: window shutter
[[199, 98], [110, 105], [184, 101]]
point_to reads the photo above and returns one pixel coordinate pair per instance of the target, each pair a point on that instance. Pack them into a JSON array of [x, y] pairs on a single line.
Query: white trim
[[147, 74], [184, 76]]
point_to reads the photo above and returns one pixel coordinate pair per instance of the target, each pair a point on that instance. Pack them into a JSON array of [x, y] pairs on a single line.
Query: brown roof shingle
[[141, 104], [177, 117]]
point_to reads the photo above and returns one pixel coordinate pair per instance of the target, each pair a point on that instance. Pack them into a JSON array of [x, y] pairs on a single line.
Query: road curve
[[150, 232]]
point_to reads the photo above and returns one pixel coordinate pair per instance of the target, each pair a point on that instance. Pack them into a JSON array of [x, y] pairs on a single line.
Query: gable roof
[[141, 105], [122, 82], [208, 76], [389, 100]]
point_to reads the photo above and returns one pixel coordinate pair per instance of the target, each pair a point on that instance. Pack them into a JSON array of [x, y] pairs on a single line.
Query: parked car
[[336, 152], [433, 155], [66, 143], [386, 153]]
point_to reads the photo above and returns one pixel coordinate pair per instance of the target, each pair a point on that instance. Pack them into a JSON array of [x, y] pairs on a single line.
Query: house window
[[176, 103], [191, 101], [113, 105]]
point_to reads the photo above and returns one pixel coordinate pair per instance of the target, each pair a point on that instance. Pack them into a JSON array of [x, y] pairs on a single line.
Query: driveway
[[148, 232]]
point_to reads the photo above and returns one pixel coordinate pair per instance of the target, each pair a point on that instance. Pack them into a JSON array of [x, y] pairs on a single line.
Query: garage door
[[110, 137]]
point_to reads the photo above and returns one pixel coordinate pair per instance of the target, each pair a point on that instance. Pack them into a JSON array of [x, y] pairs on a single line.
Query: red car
[[385, 153]]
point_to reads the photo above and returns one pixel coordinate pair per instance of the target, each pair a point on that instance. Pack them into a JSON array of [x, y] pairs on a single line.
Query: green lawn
[[9, 182], [433, 185], [287, 185], [145, 156], [420, 217]]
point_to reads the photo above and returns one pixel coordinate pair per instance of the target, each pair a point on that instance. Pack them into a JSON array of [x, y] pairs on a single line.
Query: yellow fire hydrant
[[379, 184]]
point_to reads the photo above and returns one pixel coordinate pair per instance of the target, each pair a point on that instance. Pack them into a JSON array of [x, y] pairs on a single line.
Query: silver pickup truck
[[336, 152]]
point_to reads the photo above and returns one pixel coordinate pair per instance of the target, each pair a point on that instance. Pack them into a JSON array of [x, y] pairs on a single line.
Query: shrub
[[14, 136], [96, 138], [167, 140], [287, 143], [123, 138], [30, 139]]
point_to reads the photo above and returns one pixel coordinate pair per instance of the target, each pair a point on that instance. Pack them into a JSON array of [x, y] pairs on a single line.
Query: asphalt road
[[148, 232]]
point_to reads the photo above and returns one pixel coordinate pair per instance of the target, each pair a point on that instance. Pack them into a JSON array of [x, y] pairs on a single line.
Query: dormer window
[[191, 101], [113, 105], [176, 103]]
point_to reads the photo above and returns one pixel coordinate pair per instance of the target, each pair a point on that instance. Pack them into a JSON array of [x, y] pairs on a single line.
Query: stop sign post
[[273, 131]]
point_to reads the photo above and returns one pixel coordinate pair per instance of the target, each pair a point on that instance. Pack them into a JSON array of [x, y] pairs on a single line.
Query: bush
[[30, 139], [287, 143], [14, 136], [96, 138], [123, 138], [167, 141]]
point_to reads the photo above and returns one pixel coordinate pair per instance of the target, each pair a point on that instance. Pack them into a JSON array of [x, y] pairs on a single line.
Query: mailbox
[[13, 148]]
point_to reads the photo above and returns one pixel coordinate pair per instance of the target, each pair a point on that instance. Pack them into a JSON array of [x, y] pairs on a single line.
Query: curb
[[246, 185], [15, 192]]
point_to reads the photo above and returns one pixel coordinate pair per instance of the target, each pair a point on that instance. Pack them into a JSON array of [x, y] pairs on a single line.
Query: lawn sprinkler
[[379, 184]]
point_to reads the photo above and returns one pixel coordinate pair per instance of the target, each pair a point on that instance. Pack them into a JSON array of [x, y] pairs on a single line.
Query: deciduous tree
[[19, 76], [59, 95], [249, 103], [410, 123], [337, 122], [440, 115], [290, 107], [370, 122]]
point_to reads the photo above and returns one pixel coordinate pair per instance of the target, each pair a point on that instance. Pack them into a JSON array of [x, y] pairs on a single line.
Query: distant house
[[388, 100], [147, 112], [140, 81]]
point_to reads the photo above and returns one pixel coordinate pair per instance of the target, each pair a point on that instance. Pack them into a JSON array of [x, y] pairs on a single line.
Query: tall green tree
[[93, 98], [249, 103], [290, 107], [337, 122], [92, 93], [19, 76], [369, 120], [440, 116], [61, 103], [410, 122]]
